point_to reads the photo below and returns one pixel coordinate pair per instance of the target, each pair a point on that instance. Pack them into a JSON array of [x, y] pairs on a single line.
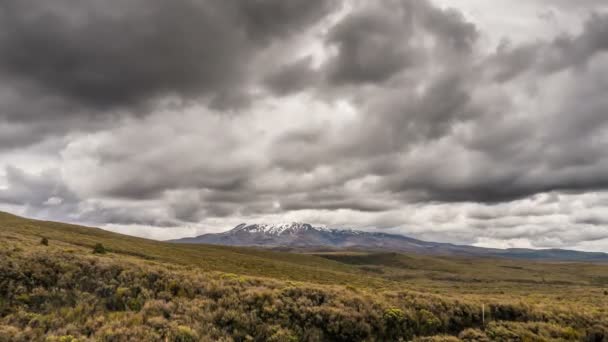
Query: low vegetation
[[141, 290]]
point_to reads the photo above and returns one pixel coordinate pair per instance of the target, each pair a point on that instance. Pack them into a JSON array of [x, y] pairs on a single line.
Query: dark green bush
[[99, 249]]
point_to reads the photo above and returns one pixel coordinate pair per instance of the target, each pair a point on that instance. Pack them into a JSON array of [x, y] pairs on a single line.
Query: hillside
[[306, 236], [148, 290]]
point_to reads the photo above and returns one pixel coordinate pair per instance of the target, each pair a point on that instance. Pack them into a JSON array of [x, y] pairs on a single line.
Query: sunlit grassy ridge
[[149, 290]]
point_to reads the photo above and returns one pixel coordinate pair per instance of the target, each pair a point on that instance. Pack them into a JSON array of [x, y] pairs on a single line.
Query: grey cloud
[[47, 196], [504, 155], [586, 5], [372, 46], [44, 195], [186, 206], [124, 53], [335, 199], [452, 29], [193, 205], [594, 220], [432, 114], [30, 116], [376, 42], [270, 18], [67, 66], [350, 204], [133, 185], [34, 190], [99, 213], [532, 209], [566, 51], [292, 77]]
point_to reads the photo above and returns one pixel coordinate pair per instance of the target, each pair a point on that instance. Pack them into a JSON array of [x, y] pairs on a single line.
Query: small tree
[[44, 241], [99, 249]]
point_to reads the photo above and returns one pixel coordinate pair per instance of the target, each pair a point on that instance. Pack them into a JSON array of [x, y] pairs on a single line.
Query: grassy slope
[[540, 289], [246, 261]]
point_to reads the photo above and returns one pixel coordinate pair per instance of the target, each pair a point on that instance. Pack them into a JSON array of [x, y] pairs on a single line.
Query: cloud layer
[[168, 119]]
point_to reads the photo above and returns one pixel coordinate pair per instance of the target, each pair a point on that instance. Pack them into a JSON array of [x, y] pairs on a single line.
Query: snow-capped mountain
[[276, 229], [279, 235], [306, 236]]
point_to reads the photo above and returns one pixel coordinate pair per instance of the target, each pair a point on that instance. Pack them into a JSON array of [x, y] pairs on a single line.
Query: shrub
[[44, 241], [397, 324], [99, 249], [473, 335], [185, 334], [428, 323]]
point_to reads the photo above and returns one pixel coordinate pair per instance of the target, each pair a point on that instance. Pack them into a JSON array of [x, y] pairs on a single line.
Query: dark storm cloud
[[370, 47], [594, 220], [429, 115], [128, 52], [499, 190], [454, 32], [362, 205], [137, 187], [192, 205], [62, 59], [29, 116], [292, 77], [380, 40]]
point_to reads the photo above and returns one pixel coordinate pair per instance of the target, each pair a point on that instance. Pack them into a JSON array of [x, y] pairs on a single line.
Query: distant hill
[[305, 236]]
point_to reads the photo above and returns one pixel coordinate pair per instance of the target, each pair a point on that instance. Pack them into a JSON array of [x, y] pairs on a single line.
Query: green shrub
[[428, 323], [185, 334], [397, 324], [99, 249]]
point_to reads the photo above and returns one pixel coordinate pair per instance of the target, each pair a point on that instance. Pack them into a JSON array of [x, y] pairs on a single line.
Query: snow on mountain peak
[[276, 229]]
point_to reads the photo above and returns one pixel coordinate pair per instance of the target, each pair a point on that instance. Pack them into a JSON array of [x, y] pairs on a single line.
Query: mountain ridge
[[297, 235]]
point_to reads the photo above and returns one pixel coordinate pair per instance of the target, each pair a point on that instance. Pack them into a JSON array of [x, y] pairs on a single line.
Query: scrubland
[[140, 290]]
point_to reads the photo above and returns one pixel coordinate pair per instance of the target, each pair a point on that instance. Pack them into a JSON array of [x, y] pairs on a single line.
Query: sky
[[466, 121]]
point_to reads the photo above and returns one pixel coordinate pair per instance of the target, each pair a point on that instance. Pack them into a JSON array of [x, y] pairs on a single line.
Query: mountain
[[306, 236]]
